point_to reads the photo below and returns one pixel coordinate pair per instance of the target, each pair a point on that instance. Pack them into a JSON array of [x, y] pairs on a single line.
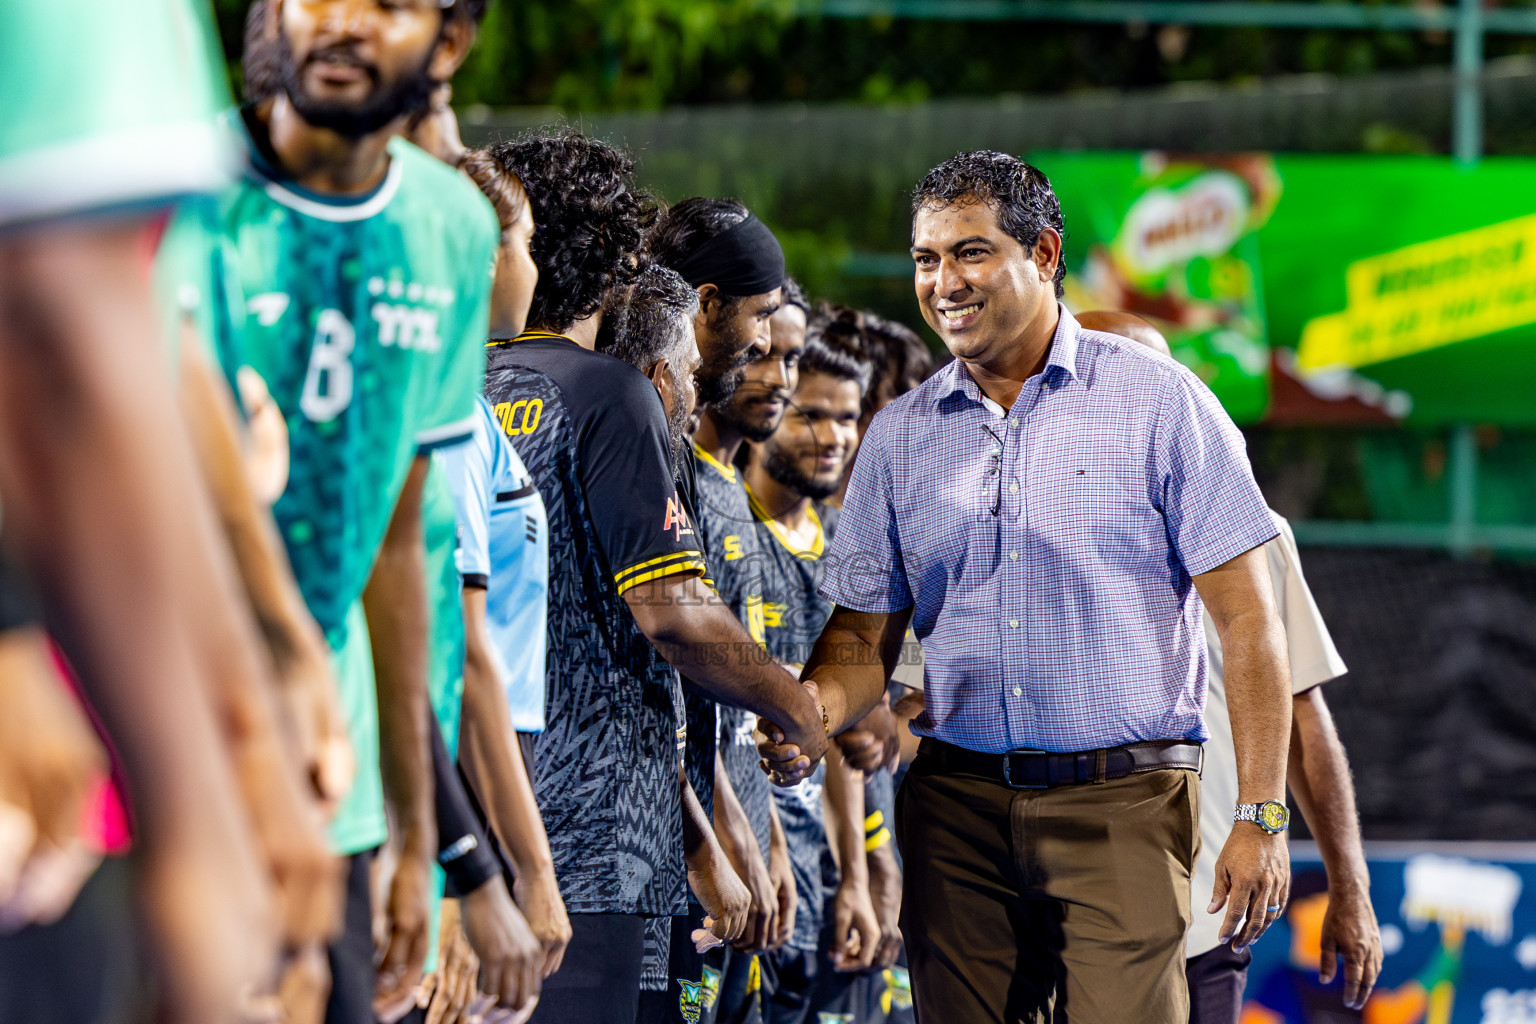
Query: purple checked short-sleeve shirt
[[1047, 551]]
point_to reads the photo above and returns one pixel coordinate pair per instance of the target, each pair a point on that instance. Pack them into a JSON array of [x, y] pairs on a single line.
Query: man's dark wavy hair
[[833, 347], [1019, 194], [684, 227], [646, 322], [589, 219], [893, 351]]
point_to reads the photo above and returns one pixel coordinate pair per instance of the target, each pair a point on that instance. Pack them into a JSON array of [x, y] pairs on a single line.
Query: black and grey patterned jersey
[[593, 435], [729, 533], [787, 583], [803, 817], [793, 615]]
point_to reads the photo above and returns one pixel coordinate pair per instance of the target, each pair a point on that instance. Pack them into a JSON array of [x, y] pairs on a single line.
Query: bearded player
[[362, 267]]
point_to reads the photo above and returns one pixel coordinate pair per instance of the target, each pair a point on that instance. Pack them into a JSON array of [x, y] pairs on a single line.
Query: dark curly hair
[[650, 320], [894, 352], [684, 227], [834, 345], [589, 220], [1019, 194]]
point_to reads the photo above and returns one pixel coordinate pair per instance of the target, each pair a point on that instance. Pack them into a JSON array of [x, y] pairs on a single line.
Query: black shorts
[[599, 980], [351, 954], [1217, 978]]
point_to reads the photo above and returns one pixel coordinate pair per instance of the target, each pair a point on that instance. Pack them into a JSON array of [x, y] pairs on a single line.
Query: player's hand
[[855, 928], [885, 896], [763, 913], [313, 704], [538, 897], [449, 990], [291, 836], [405, 932], [304, 986], [791, 754], [510, 956], [1253, 879], [724, 898], [784, 886], [210, 913], [1350, 931], [874, 742], [50, 761]]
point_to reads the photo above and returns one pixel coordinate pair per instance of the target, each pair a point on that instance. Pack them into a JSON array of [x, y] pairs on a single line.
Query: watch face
[[1274, 816]]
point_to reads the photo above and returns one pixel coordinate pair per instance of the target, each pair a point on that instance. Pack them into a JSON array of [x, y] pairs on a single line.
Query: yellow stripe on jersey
[[620, 577], [877, 840], [692, 566], [874, 821]]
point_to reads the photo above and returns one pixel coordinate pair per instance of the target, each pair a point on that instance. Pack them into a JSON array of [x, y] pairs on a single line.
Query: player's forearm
[[699, 841], [274, 597], [395, 601], [845, 818], [852, 660], [1325, 793], [700, 637], [494, 762], [1258, 702], [732, 827]]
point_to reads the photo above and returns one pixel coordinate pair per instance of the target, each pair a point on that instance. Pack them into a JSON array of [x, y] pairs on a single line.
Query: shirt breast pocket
[[1097, 495]]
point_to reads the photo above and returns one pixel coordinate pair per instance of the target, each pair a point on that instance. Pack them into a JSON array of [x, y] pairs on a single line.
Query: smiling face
[[817, 436], [355, 66], [758, 404], [980, 290]]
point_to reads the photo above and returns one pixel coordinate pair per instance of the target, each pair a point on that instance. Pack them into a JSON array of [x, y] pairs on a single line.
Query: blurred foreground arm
[[86, 410]]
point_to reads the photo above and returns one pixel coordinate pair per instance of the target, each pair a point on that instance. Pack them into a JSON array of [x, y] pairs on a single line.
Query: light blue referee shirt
[[1047, 550], [504, 548]]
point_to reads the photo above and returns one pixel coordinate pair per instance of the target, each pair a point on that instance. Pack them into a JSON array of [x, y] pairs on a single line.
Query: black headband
[[744, 259]]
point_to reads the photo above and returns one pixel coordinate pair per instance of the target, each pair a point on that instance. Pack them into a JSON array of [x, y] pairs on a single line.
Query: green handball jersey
[[107, 105], [366, 318]]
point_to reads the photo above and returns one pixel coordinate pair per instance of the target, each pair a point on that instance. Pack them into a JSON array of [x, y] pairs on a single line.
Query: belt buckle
[[1008, 769]]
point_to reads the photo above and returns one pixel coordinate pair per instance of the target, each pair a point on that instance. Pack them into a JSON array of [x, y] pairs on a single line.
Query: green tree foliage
[[589, 55]]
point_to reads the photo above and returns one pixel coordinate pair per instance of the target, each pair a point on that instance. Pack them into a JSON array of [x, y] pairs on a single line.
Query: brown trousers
[[1049, 906]]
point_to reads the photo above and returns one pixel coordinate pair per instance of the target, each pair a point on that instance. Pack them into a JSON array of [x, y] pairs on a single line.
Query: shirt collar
[[1062, 359]]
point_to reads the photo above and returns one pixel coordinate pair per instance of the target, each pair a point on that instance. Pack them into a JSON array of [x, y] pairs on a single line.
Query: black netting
[[1438, 711]]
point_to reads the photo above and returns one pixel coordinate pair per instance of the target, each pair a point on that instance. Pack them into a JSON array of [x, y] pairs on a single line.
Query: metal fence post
[[1468, 124], [1463, 470]]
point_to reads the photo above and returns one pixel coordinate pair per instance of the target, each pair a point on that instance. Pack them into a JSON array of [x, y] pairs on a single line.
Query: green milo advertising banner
[[1319, 289]]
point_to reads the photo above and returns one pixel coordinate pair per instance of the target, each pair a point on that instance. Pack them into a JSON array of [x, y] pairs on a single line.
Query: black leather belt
[[1040, 769]]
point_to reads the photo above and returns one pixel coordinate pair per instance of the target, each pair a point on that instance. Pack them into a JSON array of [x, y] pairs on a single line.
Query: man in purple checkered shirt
[[1048, 513]]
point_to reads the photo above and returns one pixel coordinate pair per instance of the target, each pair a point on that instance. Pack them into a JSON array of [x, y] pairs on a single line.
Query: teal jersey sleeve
[[193, 289], [107, 105], [449, 415]]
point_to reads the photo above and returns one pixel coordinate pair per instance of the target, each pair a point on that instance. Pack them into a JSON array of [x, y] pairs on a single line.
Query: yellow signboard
[[1427, 295]]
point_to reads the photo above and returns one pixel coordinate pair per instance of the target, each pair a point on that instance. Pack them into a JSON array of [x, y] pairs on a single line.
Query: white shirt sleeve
[[1314, 658]]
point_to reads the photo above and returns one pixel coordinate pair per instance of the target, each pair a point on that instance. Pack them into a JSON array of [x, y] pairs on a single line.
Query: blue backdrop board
[[1458, 923]]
